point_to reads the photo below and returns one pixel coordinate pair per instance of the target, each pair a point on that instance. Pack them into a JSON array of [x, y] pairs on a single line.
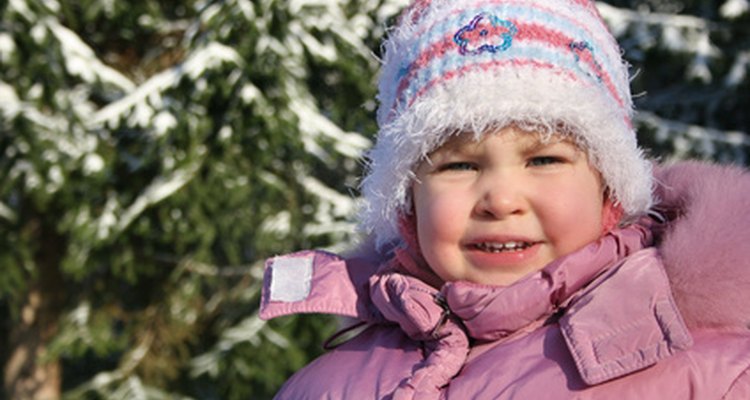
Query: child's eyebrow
[[544, 143], [457, 146]]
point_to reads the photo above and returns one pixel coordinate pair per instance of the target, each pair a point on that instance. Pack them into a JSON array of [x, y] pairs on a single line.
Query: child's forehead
[[525, 137]]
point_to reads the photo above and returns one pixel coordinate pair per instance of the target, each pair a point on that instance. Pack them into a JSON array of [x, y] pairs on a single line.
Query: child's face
[[495, 210]]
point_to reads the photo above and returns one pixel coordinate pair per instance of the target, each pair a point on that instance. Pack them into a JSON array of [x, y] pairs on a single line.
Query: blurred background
[[154, 153]]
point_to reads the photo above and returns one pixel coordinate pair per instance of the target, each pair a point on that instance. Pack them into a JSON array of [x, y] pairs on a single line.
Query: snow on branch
[[734, 8], [693, 140], [56, 129], [620, 18], [333, 213], [7, 213], [737, 74], [109, 223], [313, 126], [159, 189], [679, 33], [209, 57], [81, 61]]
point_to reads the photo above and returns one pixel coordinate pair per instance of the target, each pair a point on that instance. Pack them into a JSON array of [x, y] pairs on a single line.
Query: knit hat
[[473, 65]]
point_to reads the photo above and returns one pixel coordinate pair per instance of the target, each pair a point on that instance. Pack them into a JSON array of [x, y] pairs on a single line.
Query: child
[[523, 246]]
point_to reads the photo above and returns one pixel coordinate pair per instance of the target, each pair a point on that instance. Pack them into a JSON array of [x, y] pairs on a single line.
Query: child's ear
[[612, 213], [407, 225]]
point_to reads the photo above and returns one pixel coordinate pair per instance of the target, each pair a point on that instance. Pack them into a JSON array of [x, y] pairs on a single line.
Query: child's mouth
[[502, 247]]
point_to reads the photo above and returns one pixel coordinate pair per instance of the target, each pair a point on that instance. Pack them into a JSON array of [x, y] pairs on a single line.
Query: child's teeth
[[508, 246]]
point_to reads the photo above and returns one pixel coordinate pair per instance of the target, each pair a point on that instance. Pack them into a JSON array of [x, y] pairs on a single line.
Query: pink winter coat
[[656, 310]]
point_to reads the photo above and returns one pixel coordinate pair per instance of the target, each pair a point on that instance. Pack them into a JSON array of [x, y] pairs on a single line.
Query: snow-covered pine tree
[[153, 154], [691, 61]]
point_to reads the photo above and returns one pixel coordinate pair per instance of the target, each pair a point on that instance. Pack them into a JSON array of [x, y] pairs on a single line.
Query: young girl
[[523, 246]]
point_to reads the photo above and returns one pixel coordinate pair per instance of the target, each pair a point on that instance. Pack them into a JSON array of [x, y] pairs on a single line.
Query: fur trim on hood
[[705, 244]]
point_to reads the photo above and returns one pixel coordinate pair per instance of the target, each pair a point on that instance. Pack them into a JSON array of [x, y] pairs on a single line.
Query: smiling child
[[520, 246]]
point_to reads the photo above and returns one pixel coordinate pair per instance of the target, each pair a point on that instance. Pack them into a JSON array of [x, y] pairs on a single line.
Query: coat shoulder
[[705, 241]]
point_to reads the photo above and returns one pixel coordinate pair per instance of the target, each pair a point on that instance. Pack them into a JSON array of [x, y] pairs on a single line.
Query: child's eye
[[544, 160], [458, 166]]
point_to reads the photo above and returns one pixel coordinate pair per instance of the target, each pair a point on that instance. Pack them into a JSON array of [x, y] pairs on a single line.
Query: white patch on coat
[[291, 278]]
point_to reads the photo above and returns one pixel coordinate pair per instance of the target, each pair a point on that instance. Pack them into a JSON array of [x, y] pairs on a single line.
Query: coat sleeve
[[740, 389]]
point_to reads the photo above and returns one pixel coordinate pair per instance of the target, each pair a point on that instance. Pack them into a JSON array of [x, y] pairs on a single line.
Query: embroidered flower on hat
[[485, 33], [584, 54]]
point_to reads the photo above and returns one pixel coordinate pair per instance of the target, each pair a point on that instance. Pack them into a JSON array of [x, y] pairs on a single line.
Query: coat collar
[[618, 315], [493, 312], [624, 321]]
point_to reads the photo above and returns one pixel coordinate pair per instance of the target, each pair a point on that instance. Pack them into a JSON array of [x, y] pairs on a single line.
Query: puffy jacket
[[655, 310]]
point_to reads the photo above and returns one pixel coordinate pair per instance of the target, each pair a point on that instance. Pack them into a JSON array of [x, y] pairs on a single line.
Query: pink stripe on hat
[[582, 51]]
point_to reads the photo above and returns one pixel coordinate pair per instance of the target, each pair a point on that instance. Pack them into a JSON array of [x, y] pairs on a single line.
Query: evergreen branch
[[7, 213], [617, 15], [81, 61], [210, 56], [733, 138]]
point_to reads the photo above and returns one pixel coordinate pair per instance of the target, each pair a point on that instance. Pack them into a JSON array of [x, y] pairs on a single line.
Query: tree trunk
[[29, 373]]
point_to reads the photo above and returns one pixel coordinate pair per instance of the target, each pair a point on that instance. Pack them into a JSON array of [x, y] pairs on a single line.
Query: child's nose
[[501, 198]]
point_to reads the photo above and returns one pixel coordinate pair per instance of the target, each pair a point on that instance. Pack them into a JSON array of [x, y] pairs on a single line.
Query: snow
[[247, 9], [25, 169], [225, 133], [52, 5], [734, 8], [692, 140], [55, 179], [164, 122], [341, 205], [313, 126], [325, 51], [211, 56], [160, 188], [39, 33], [279, 224], [92, 163], [737, 74], [250, 93], [272, 180], [247, 330], [81, 61], [209, 13], [107, 220], [81, 314], [21, 8], [334, 209], [7, 47], [675, 32], [9, 100], [7, 213], [390, 8]]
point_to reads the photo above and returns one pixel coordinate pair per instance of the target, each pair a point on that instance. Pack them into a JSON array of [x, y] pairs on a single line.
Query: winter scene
[[155, 153]]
